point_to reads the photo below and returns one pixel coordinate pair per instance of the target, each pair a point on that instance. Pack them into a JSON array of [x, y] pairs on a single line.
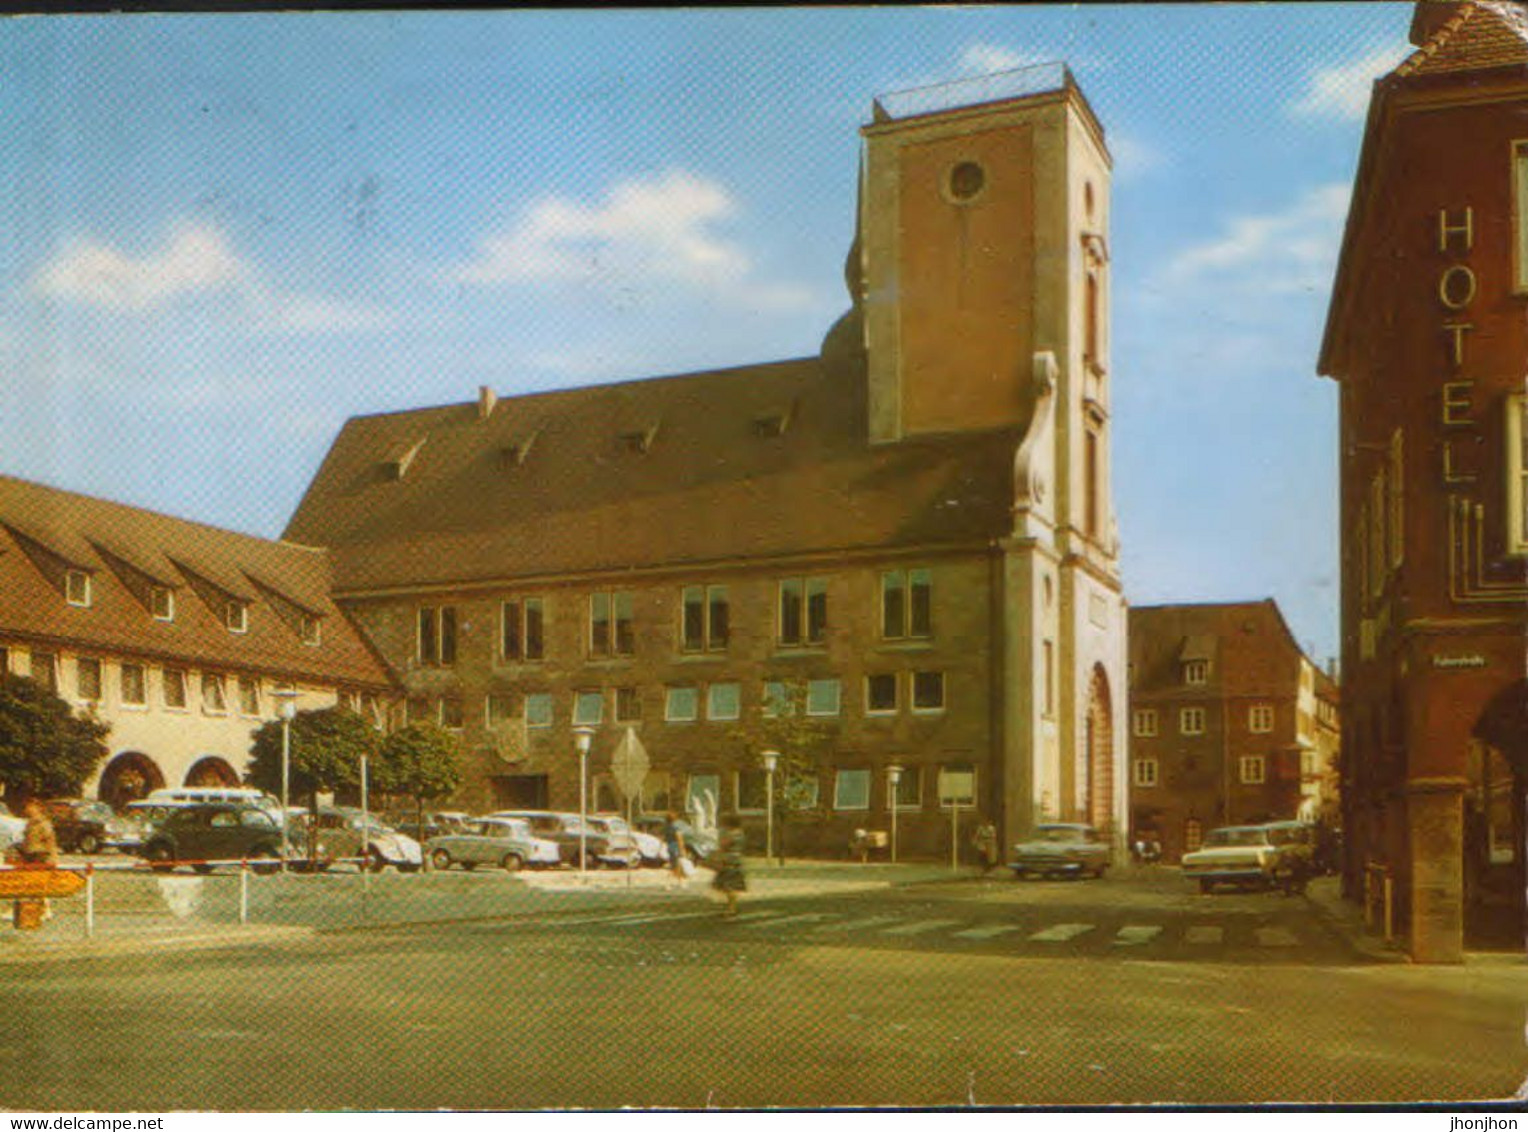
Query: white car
[[11, 829]]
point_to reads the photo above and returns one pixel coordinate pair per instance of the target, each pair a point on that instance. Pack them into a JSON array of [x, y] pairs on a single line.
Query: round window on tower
[[966, 181]]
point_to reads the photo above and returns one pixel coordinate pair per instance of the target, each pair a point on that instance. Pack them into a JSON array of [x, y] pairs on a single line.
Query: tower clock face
[[967, 179]]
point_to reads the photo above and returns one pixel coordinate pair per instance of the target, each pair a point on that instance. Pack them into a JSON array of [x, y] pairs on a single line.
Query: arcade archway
[[1098, 742], [128, 777], [211, 771], [1496, 822]]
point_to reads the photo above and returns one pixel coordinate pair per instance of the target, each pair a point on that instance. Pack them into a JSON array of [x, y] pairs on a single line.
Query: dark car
[[205, 836], [84, 826]]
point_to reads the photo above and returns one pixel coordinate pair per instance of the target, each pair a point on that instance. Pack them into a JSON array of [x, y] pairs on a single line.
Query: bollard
[[90, 901]]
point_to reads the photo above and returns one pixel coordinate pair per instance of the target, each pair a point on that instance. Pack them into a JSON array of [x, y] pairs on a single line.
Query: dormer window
[[513, 455], [310, 628], [1196, 671], [236, 616], [77, 588], [639, 440], [398, 458], [162, 603]]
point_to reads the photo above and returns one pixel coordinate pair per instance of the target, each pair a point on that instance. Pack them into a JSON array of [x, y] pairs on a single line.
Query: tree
[[45, 749], [801, 740], [420, 761], [326, 750]]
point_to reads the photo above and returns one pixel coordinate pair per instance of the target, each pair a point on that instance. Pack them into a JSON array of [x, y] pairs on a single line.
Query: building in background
[[172, 632], [1427, 337], [915, 526], [1230, 723]]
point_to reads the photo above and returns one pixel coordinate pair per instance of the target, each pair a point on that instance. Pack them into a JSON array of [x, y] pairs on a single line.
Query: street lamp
[[583, 736], [893, 776], [286, 708], [771, 760]]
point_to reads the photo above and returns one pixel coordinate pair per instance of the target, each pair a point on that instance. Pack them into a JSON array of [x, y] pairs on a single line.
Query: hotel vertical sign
[[1456, 290]]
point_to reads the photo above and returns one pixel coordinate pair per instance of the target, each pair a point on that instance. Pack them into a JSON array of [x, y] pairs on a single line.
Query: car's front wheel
[[265, 861], [88, 844], [511, 863], [160, 857], [440, 860]]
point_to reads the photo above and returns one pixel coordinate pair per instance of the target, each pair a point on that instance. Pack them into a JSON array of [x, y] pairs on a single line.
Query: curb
[[1342, 921], [147, 942]]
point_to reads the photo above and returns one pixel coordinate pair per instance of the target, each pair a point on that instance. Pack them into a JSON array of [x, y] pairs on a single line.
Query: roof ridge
[[1511, 14]]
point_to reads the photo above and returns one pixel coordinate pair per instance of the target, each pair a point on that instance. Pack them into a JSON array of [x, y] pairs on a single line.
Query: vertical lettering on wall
[[1456, 229]]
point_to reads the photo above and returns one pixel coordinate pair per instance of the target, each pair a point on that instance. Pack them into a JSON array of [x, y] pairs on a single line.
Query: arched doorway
[[211, 771], [1098, 792], [128, 777], [1496, 822]]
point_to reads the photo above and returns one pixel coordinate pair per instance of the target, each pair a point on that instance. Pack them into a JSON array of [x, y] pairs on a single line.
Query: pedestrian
[[729, 879], [39, 845], [673, 840], [985, 841]]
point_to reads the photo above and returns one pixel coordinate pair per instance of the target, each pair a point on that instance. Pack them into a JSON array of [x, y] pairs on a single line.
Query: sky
[[224, 234]]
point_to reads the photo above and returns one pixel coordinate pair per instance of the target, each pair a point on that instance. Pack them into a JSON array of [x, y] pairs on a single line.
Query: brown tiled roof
[[667, 471], [1249, 642], [45, 531], [1480, 34]]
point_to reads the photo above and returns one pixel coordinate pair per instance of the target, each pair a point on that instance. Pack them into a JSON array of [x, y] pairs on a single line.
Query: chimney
[[1429, 16], [487, 399]]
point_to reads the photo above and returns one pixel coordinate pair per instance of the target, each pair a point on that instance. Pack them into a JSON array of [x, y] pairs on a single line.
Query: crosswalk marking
[[657, 918], [1204, 933], [918, 927], [987, 932], [1133, 934], [1276, 937], [1060, 933], [802, 918], [858, 925]]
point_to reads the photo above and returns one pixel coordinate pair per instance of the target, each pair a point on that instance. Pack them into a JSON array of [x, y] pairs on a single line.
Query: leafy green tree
[[46, 750], [801, 740], [420, 761], [326, 750]]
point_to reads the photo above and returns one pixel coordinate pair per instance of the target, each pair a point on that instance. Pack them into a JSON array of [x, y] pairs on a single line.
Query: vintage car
[[216, 834], [83, 825], [1061, 849], [574, 837], [698, 846], [346, 833], [11, 828], [1252, 856], [651, 850], [505, 842]]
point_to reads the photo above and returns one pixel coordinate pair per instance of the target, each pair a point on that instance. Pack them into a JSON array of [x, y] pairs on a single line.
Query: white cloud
[[1292, 249], [989, 58], [1131, 155], [197, 262], [658, 228], [1342, 91]]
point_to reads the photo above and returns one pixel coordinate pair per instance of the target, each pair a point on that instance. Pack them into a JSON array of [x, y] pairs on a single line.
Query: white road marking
[[1133, 934], [857, 925], [987, 932], [1276, 937], [801, 918], [918, 927], [1060, 933], [1204, 933]]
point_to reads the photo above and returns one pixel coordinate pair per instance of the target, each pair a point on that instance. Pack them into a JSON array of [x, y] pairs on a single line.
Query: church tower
[[983, 278]]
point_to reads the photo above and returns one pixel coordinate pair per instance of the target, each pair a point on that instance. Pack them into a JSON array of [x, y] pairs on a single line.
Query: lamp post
[[583, 737], [893, 776], [771, 760], [286, 708]]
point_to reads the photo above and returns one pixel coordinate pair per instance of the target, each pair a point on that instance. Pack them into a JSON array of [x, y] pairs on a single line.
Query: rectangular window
[[851, 790], [776, 699], [893, 604], [908, 792], [588, 708], [628, 705], [311, 629], [1260, 718], [1145, 772], [437, 635], [214, 699], [906, 603], [174, 688], [1252, 770], [452, 713], [538, 709], [134, 685], [522, 630], [77, 587], [703, 788], [88, 674], [611, 629], [957, 785], [45, 670], [162, 603], [249, 695], [1517, 472], [656, 792], [752, 791], [420, 710], [928, 691], [1520, 214], [1144, 722], [802, 792], [1091, 486], [499, 708], [706, 619], [816, 611], [681, 705], [803, 611], [1191, 721], [1196, 671], [881, 693], [822, 697], [236, 616], [723, 701]]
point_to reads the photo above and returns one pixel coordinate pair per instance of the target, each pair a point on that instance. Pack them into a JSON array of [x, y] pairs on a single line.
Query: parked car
[[697, 846], [218, 833], [141, 818], [505, 842], [570, 833], [1251, 856], [84, 826], [11, 829], [1061, 849], [347, 833], [649, 850], [437, 824]]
